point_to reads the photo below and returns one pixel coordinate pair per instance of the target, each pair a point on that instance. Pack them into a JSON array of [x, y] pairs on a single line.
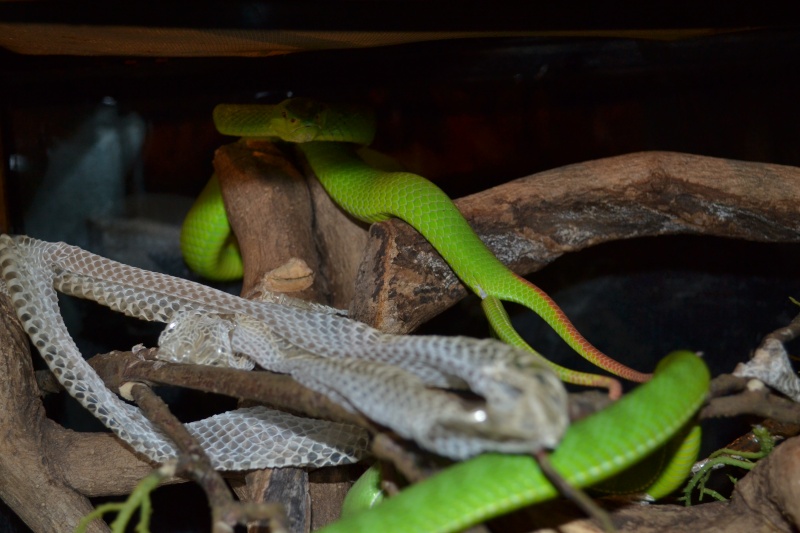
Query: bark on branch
[[36, 472], [529, 222]]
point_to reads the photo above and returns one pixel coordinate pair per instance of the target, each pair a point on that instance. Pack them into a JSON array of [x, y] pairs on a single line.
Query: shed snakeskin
[[387, 377]]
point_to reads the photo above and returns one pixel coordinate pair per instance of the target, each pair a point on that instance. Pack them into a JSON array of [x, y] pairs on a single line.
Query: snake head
[[526, 402], [302, 120], [200, 338], [299, 120], [525, 409]]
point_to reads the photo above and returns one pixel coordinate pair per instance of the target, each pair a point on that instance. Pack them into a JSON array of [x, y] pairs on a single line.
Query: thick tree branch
[[277, 217], [531, 221], [278, 390], [32, 481]]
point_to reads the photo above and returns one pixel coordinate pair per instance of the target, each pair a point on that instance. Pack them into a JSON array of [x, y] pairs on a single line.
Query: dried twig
[[279, 391], [195, 464], [758, 402], [744, 391]]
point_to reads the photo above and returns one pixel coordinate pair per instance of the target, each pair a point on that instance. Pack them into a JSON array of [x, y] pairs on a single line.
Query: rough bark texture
[[95, 464], [531, 221], [47, 472], [341, 241], [269, 209], [32, 482], [277, 216]]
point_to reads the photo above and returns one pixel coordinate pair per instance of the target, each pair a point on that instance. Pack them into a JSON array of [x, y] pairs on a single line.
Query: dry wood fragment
[[258, 184], [279, 218]]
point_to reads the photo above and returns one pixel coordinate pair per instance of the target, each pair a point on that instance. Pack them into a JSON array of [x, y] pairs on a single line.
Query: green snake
[[592, 450], [328, 137]]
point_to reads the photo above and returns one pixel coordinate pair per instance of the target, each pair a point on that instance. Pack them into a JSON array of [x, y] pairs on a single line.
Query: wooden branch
[[79, 454], [761, 403], [269, 210], [277, 217], [276, 390], [32, 483], [529, 222], [770, 493], [341, 241], [259, 185]]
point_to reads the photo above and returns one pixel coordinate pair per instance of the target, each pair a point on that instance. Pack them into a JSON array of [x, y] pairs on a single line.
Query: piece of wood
[[531, 221], [269, 209], [278, 218], [31, 483], [341, 241], [79, 454], [289, 486], [328, 487]]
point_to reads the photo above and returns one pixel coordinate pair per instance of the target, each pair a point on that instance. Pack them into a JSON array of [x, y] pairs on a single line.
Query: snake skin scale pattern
[[363, 369]]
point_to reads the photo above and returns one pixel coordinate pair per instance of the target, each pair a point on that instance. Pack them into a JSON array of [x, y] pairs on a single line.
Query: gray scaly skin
[[30, 268], [352, 363]]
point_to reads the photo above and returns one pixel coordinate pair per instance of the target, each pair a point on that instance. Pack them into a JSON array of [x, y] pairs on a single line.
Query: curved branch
[[529, 222], [31, 475]]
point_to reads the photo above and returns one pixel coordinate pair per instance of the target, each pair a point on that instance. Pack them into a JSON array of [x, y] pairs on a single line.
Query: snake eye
[[479, 415]]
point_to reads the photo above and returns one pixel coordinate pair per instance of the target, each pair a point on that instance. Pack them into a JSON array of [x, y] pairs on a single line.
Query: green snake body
[[327, 136], [206, 238], [592, 450]]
